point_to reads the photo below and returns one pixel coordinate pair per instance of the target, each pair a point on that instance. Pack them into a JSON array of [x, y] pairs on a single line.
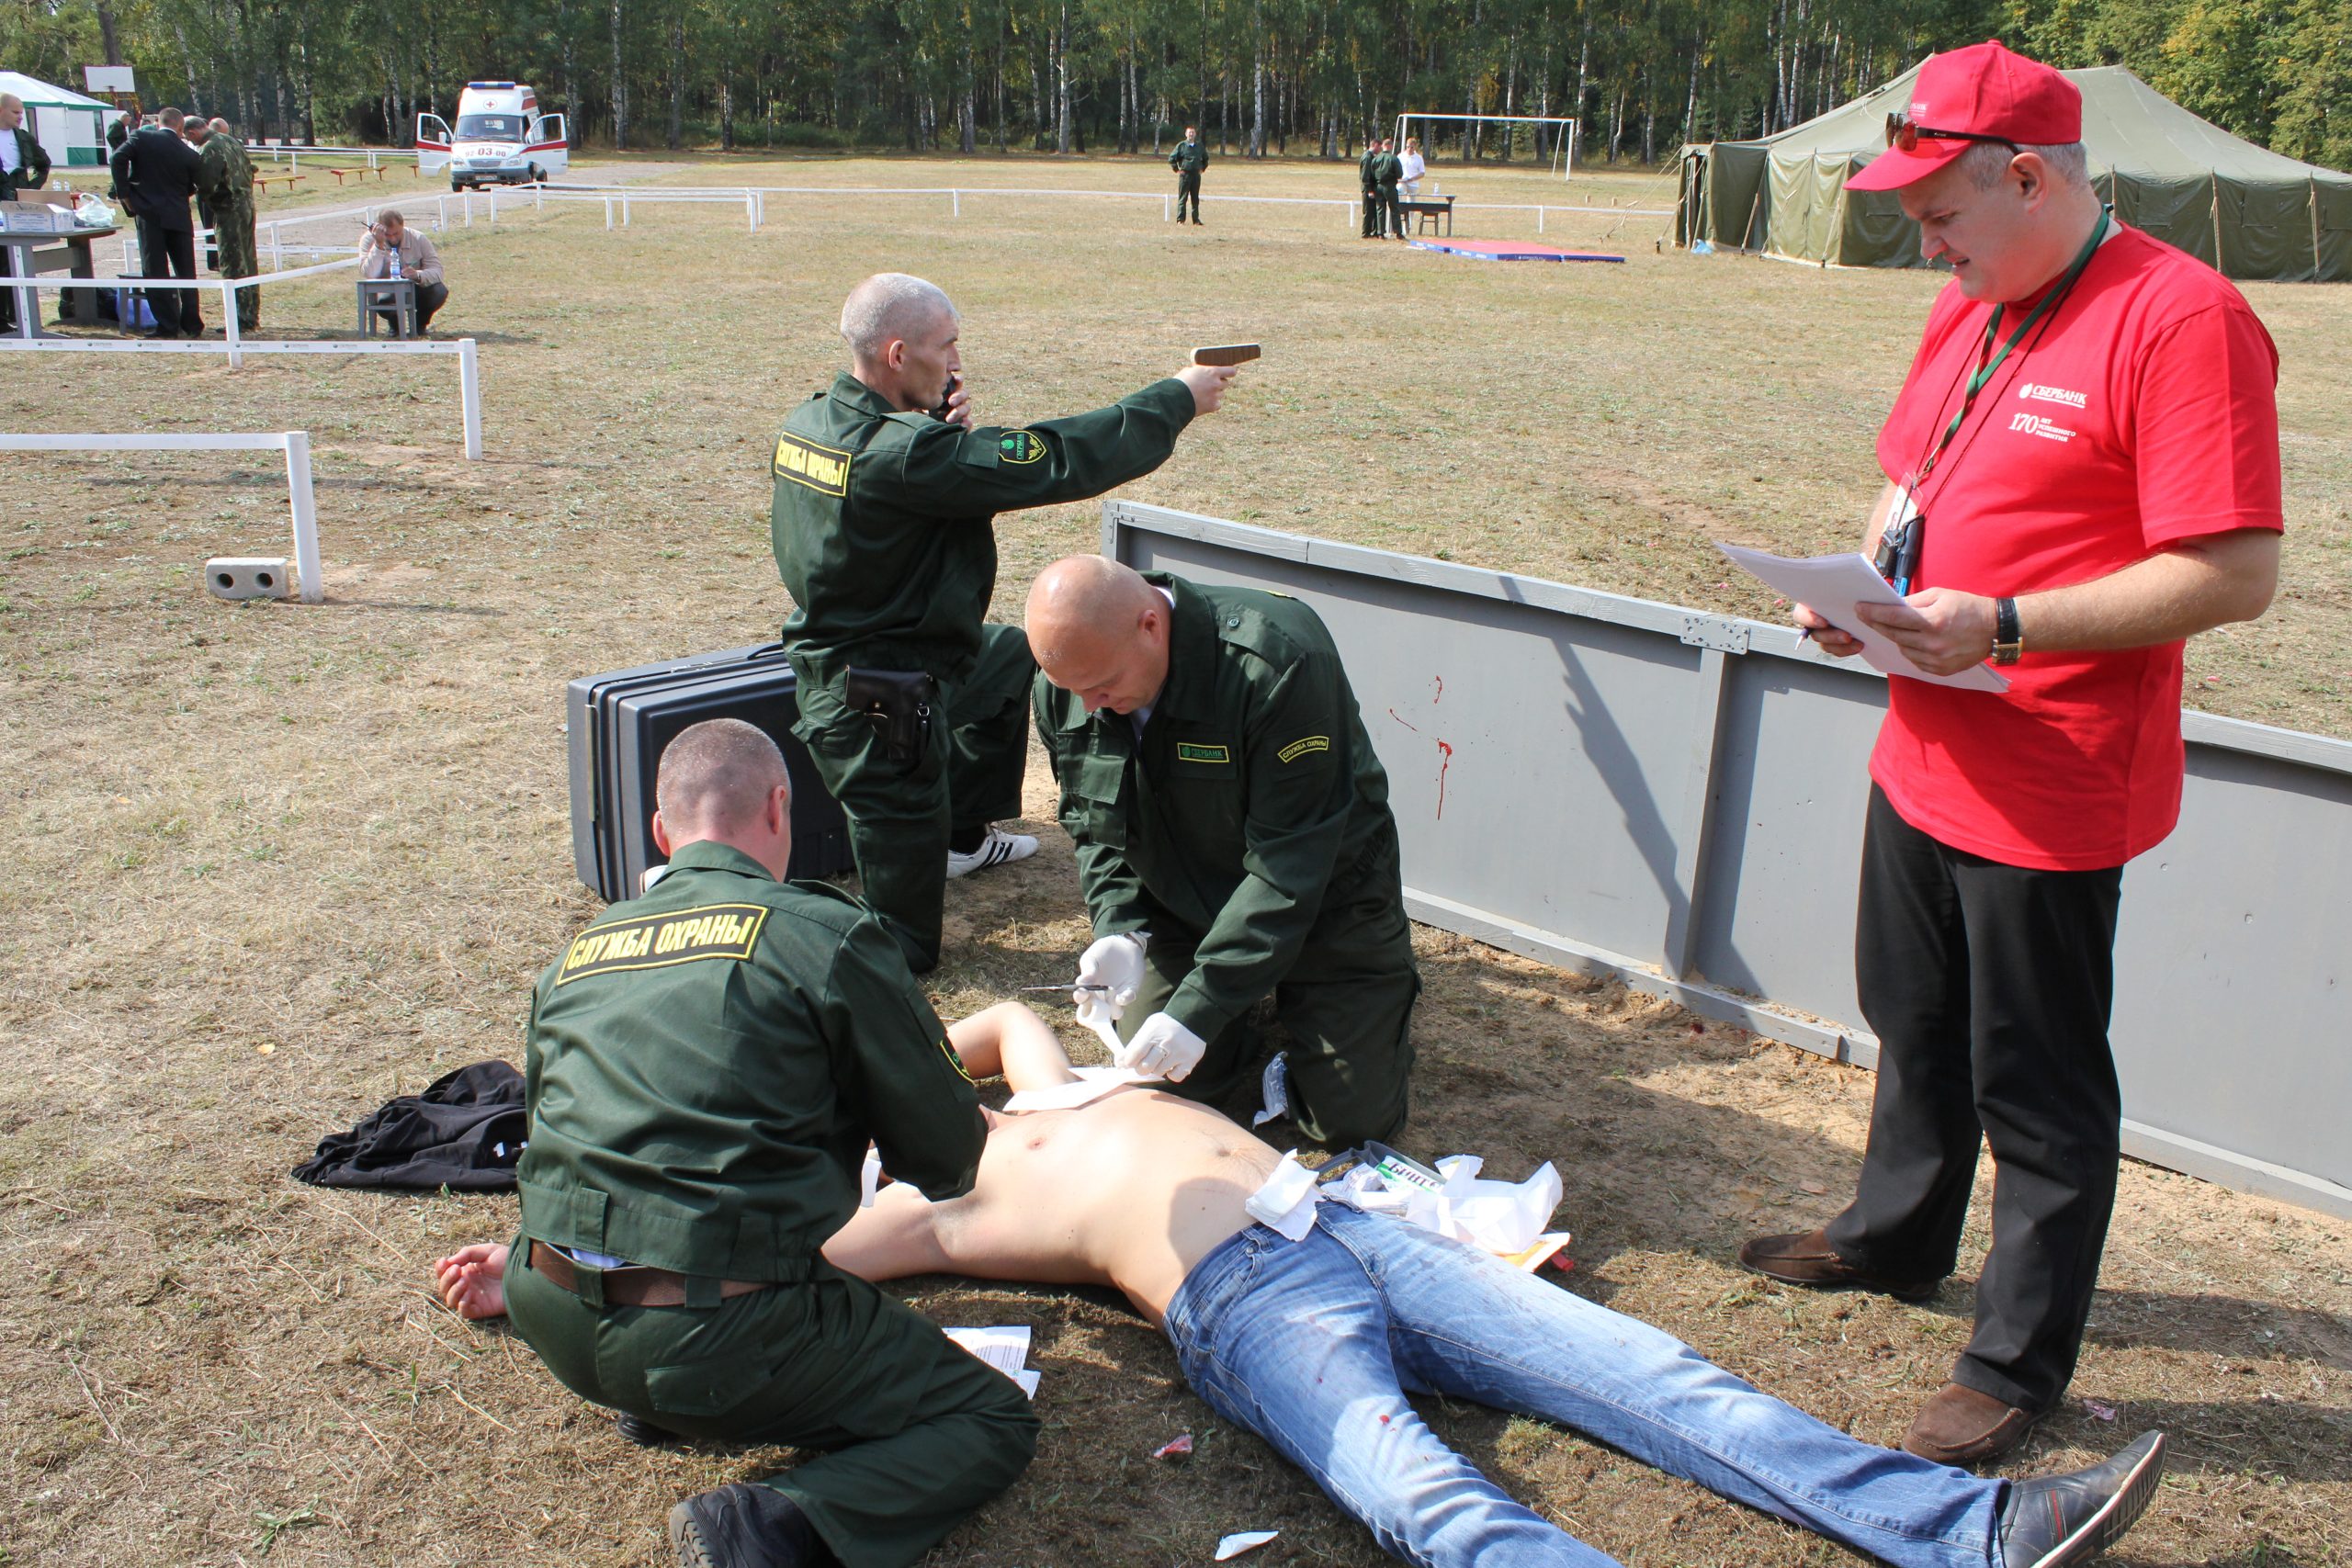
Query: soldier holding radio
[[886, 492]]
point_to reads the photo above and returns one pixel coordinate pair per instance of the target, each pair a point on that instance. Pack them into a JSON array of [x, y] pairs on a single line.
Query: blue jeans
[[1314, 1345]]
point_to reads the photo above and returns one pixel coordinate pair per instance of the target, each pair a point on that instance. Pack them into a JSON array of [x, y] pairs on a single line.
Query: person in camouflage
[[226, 182]]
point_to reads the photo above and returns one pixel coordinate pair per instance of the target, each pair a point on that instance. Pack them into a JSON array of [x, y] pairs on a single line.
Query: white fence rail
[[468, 361], [753, 199], [294, 156], [295, 444], [226, 287]]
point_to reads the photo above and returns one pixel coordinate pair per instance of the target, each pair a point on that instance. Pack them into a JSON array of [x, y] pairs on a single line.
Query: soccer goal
[[1564, 146]]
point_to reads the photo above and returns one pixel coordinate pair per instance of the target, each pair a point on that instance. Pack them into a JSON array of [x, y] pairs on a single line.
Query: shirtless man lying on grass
[[1314, 1345]]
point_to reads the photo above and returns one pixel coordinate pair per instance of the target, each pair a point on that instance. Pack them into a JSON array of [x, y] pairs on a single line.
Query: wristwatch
[[2009, 640]]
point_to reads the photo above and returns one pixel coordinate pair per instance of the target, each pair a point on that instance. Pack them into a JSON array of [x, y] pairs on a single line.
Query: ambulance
[[501, 137]]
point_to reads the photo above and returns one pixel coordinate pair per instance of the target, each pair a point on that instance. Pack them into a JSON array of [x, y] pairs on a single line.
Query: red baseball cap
[[1983, 93]]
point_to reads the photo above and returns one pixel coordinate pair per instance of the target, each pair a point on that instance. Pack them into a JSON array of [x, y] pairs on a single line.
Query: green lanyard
[[1986, 368]]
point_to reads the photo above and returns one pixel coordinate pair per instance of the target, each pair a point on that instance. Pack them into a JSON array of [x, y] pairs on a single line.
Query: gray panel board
[[2234, 1001], [1592, 735]]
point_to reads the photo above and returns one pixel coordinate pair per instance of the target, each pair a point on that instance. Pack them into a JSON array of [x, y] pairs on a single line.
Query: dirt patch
[[276, 864]]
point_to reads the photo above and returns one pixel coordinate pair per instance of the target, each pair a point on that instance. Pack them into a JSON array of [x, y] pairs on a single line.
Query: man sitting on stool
[[390, 236]]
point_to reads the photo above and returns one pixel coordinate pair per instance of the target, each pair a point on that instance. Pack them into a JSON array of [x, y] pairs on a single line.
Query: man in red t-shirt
[[2084, 472]]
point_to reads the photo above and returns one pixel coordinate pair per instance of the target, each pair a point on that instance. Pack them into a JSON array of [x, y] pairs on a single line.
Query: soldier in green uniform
[[1233, 840], [1189, 159], [1373, 211], [705, 1067], [886, 497], [225, 182], [1386, 170]]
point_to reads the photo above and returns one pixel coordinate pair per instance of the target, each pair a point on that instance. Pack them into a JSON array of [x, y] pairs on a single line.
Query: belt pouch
[[897, 702]]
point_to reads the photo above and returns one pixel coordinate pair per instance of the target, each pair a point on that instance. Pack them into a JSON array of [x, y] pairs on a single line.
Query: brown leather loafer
[[1961, 1426], [1809, 1261]]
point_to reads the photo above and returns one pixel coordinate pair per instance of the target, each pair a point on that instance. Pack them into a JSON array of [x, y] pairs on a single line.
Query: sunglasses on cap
[[1905, 134]]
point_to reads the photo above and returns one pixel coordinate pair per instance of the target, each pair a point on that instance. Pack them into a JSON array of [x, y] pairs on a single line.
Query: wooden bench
[[359, 175], [1428, 210], [261, 182]]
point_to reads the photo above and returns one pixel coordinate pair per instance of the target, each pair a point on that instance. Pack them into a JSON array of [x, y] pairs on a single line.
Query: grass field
[[277, 864]]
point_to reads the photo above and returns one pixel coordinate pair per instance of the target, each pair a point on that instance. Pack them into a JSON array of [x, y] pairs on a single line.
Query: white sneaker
[[1000, 848]]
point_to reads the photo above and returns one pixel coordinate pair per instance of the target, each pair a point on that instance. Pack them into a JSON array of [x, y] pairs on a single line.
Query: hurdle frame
[[299, 499]]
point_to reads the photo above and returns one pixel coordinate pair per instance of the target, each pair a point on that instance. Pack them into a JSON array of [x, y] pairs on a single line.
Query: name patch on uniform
[[1186, 751], [654, 941], [1301, 747], [812, 463], [1020, 446]]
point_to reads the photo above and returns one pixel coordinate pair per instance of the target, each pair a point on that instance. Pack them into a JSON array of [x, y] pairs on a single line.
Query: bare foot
[[472, 1281]]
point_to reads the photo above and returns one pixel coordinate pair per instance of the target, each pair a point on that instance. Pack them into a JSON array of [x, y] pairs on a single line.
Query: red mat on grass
[[1510, 250]]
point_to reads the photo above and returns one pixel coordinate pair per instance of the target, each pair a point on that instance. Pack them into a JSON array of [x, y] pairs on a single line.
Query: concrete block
[[248, 577]]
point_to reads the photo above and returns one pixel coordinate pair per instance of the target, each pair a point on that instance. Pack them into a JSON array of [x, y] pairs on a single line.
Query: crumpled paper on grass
[[1502, 1217]]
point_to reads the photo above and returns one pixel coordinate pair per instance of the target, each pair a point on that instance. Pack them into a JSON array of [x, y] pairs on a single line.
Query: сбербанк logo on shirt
[[2034, 391]]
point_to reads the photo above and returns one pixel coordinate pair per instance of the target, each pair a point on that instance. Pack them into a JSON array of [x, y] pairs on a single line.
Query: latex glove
[[1163, 1048], [1115, 962]]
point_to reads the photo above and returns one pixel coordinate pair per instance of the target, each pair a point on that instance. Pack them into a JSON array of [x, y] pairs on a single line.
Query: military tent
[[2249, 212]]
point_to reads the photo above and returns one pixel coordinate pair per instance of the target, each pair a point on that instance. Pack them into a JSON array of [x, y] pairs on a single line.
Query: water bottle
[[393, 265]]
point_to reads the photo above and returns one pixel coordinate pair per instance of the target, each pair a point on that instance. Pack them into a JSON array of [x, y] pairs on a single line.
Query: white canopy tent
[[70, 126]]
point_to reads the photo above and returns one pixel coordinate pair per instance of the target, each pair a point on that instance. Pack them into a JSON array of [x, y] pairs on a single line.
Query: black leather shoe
[[641, 1432], [2059, 1519], [742, 1526]]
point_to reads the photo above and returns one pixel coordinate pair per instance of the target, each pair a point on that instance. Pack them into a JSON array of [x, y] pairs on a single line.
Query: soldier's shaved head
[[223, 127], [717, 776], [170, 119], [1100, 630], [891, 305]]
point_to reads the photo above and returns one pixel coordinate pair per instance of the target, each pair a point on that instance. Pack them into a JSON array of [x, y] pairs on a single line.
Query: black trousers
[[1187, 187], [1989, 986], [170, 252]]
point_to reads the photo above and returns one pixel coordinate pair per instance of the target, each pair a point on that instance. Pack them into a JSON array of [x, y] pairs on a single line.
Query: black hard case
[[618, 723]]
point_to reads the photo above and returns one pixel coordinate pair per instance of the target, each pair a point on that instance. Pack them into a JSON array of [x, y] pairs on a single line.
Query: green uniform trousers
[[1345, 1005], [1188, 188], [1373, 212], [238, 257], [918, 1434], [1391, 220], [902, 814]]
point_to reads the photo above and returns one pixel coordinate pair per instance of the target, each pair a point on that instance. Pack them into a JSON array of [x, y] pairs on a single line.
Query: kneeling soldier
[[1234, 839], [706, 1065]]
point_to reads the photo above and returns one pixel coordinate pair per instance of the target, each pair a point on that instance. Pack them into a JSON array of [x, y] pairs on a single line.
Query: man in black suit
[[155, 173], [24, 165]]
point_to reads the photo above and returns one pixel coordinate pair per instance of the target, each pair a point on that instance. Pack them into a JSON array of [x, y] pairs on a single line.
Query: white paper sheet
[[1233, 1545], [1004, 1347], [1092, 1084], [1833, 585]]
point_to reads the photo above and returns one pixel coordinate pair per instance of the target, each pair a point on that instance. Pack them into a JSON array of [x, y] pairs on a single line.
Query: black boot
[[641, 1432], [744, 1526]]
